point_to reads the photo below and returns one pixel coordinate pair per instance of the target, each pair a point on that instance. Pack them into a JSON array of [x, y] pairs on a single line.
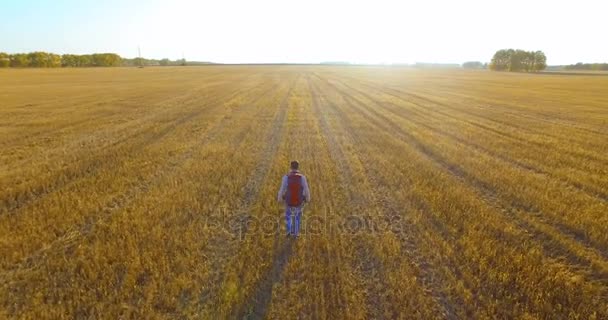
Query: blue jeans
[[293, 215]]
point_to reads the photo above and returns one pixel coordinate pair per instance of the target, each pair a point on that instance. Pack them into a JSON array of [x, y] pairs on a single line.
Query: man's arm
[[282, 189], [306, 189]]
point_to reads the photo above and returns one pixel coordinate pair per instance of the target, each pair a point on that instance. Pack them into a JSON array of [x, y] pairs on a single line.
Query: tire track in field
[[74, 124], [517, 127], [137, 118], [256, 307], [517, 111], [594, 253], [373, 268], [262, 292], [388, 209], [252, 189], [209, 85], [453, 168], [415, 233], [71, 237], [398, 94], [90, 167], [574, 185], [590, 190], [430, 100], [257, 303], [260, 300], [593, 256], [428, 151], [80, 101], [114, 201]]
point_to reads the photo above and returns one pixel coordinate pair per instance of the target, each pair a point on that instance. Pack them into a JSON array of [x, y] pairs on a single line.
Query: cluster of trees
[[41, 59], [587, 66], [518, 60]]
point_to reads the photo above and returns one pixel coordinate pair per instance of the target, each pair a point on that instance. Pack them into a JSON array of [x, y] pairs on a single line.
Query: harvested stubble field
[[150, 193]]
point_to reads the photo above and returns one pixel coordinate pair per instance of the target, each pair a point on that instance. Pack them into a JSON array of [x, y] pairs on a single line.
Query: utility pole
[[141, 60]]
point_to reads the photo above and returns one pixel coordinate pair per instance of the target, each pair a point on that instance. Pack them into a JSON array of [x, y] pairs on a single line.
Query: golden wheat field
[[150, 193]]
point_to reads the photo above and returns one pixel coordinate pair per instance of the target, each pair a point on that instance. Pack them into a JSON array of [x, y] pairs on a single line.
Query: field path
[[228, 249], [257, 306]]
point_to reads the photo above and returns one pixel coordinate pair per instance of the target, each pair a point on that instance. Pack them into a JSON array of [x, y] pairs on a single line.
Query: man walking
[[294, 193]]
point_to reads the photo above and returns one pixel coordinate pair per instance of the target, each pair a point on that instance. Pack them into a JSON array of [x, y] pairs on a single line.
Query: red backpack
[[295, 190]]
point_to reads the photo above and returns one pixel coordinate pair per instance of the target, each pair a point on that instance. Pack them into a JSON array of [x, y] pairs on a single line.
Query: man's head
[[294, 165]]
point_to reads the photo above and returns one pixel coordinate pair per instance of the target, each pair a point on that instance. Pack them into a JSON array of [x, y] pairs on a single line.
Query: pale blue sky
[[378, 31]]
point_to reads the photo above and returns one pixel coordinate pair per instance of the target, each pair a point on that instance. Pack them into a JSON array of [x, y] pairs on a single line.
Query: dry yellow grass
[[150, 193]]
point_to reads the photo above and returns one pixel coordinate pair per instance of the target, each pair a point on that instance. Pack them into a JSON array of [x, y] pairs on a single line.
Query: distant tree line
[[91, 60], [518, 60], [587, 66], [41, 59], [153, 62], [474, 65], [432, 65]]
